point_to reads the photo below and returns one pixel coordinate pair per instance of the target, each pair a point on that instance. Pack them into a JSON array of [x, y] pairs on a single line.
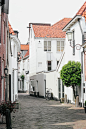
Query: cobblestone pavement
[[38, 113]]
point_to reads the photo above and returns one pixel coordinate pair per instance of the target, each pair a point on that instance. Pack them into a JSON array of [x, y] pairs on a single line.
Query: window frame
[[47, 65], [60, 45], [47, 46]]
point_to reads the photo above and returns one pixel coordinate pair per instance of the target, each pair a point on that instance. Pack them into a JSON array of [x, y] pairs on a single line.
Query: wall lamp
[[5, 72], [69, 36]]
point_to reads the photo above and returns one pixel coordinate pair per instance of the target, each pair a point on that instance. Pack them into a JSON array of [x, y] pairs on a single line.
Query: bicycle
[[48, 93]]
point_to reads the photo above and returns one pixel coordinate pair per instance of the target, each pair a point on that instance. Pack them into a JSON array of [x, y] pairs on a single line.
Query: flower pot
[[85, 109]]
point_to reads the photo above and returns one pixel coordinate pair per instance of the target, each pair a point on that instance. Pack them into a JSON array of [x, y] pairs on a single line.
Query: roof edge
[[71, 22]]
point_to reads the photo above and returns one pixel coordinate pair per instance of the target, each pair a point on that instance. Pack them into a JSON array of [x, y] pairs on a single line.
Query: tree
[[71, 74], [22, 77]]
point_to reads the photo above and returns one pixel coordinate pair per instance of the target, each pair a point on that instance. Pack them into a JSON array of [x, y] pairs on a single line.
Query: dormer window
[[47, 45]]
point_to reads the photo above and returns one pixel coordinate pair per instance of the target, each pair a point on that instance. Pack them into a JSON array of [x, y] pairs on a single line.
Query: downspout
[[82, 75]]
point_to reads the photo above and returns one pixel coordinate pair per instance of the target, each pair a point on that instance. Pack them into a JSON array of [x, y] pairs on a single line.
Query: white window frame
[[47, 65], [47, 46], [60, 45]]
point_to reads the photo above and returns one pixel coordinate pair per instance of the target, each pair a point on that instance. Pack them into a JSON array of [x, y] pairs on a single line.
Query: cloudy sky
[[22, 12]]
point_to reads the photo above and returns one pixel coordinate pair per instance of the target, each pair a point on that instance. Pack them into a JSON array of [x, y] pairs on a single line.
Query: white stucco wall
[[13, 66], [68, 56]]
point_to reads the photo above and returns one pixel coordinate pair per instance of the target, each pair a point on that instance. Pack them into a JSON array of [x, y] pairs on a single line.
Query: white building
[[13, 49], [23, 69], [46, 45], [78, 27]]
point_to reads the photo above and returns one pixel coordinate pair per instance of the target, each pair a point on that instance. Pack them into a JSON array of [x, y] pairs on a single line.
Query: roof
[[79, 14], [24, 47], [27, 54], [82, 11], [54, 31], [10, 29]]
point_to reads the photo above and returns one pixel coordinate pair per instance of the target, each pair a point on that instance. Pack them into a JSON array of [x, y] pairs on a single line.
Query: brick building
[[4, 6]]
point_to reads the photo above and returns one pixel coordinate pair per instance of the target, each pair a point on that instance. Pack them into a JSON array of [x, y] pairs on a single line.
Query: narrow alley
[[38, 113]]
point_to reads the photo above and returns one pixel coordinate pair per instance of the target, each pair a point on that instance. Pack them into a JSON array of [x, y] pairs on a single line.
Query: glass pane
[[49, 68], [58, 45], [49, 62], [62, 48], [49, 65], [49, 45], [45, 45], [62, 43]]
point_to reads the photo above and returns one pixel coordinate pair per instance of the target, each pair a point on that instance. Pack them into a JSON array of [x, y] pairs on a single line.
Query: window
[[49, 65], [47, 45], [60, 46], [57, 62]]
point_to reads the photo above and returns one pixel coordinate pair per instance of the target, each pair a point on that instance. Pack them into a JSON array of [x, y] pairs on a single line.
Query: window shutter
[[73, 43], [74, 47]]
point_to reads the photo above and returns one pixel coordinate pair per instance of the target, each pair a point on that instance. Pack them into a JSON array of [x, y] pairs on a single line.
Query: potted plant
[[85, 106], [7, 105]]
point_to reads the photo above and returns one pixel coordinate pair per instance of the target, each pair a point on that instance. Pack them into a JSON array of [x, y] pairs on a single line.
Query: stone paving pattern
[[38, 113]]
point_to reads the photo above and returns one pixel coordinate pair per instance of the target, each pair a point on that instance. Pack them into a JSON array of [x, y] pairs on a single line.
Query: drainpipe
[[82, 75]]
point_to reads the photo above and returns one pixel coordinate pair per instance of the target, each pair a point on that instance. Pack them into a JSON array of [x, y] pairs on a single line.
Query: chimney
[[16, 32]]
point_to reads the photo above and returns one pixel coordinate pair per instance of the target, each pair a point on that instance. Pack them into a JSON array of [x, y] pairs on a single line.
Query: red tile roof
[[54, 31], [27, 54], [82, 11], [10, 29], [24, 47]]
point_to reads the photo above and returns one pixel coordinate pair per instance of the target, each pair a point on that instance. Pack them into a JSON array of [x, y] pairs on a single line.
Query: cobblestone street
[[38, 113]]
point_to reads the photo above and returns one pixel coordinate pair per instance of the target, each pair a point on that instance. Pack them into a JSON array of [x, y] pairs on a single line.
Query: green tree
[[22, 77], [71, 74]]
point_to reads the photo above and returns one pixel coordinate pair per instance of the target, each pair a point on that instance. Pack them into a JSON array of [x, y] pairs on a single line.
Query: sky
[[23, 12]]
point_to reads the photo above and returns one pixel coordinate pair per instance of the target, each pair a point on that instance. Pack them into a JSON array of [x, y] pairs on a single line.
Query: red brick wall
[[3, 50]]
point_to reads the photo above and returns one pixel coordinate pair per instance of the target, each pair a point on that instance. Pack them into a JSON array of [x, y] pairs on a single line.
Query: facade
[[75, 53], [46, 45], [4, 10], [23, 69], [13, 49]]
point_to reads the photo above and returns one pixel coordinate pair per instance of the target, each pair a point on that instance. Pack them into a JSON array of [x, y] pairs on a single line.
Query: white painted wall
[[38, 55], [68, 55], [23, 66], [13, 66]]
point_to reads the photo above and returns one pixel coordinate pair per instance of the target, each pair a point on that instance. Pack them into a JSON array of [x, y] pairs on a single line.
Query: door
[[45, 87], [59, 88], [62, 90]]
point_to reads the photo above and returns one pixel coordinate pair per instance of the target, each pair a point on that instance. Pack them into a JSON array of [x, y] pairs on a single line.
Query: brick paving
[[38, 113]]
